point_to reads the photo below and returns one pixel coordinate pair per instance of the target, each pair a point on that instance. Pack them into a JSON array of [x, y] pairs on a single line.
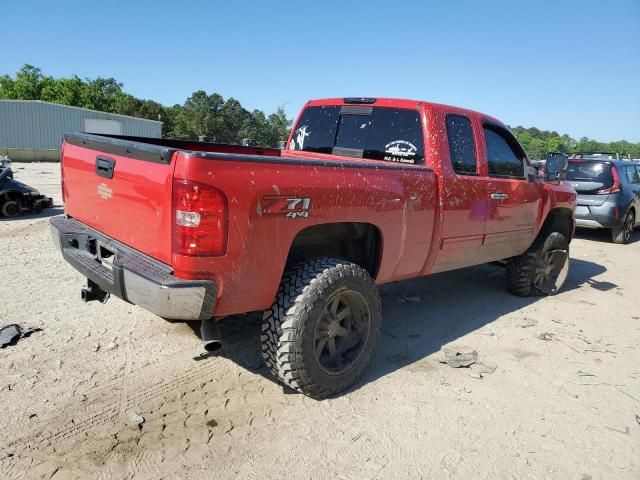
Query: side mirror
[[556, 166]]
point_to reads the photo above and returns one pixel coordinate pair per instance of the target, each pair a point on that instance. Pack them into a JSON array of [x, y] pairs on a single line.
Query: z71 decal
[[286, 205]]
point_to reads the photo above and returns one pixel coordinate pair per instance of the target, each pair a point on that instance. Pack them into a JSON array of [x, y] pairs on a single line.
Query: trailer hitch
[[94, 292]]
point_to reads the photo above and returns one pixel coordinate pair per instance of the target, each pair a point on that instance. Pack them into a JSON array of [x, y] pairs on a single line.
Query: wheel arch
[[559, 219], [358, 242], [11, 194]]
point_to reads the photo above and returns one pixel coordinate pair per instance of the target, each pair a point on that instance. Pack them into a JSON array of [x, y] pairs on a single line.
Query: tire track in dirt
[[103, 404], [109, 410], [142, 464]]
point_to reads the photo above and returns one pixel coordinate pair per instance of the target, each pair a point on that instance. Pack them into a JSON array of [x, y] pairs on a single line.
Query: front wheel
[[541, 270], [320, 333], [623, 234], [10, 209]]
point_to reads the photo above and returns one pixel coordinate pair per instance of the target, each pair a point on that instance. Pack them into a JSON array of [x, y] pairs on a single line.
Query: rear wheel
[[10, 208], [542, 270], [319, 336], [623, 234]]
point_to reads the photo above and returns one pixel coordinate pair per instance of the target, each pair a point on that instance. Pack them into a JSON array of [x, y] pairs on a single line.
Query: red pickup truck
[[367, 191]]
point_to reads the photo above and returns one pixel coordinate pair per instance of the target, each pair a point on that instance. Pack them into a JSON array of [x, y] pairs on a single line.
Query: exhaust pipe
[[210, 334]]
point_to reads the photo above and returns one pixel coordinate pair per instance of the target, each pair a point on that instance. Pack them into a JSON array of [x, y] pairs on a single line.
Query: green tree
[[101, 94], [280, 125], [67, 91], [7, 87], [198, 117], [232, 118], [28, 83]]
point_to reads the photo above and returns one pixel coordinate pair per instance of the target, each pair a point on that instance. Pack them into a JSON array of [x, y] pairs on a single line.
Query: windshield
[[595, 172], [376, 133]]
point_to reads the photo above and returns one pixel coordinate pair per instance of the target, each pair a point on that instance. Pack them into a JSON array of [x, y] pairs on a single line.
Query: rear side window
[[462, 148], [633, 174], [375, 133], [504, 155], [591, 172]]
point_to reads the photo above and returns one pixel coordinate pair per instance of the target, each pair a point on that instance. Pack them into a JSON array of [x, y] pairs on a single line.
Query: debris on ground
[[134, 417], [480, 369], [10, 334], [624, 431], [457, 359], [529, 322], [484, 368], [547, 336]]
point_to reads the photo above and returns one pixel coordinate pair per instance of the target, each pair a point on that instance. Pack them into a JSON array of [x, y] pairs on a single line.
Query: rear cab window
[[375, 133], [462, 147]]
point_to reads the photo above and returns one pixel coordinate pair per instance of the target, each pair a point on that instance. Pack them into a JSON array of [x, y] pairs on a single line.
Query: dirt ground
[[562, 403]]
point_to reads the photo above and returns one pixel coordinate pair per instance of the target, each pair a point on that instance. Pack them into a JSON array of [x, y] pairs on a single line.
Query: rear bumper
[[607, 215], [132, 276]]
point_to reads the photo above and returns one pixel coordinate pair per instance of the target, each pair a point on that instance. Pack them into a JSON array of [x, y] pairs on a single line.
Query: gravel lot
[[562, 403]]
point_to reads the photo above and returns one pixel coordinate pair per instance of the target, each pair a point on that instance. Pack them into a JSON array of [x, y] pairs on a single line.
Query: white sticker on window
[[400, 151], [299, 137]]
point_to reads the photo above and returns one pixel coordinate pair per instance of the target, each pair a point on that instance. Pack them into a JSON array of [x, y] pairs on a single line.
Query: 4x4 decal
[[286, 205]]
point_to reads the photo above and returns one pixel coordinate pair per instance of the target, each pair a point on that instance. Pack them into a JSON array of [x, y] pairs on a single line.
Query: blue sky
[[570, 66]]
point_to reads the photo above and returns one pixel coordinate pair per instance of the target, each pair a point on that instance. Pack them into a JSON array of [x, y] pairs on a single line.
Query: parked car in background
[[608, 193], [16, 197]]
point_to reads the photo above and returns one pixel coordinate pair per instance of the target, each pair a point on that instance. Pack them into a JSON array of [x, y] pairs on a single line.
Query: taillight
[[200, 219], [615, 188]]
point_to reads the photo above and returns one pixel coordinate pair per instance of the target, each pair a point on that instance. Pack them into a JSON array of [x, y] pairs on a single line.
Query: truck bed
[[134, 206]]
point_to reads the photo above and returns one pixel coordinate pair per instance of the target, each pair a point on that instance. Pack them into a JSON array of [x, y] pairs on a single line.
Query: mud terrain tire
[[319, 335], [523, 271]]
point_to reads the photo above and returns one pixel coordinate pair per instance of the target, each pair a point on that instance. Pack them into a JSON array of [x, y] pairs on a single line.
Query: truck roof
[[395, 103]]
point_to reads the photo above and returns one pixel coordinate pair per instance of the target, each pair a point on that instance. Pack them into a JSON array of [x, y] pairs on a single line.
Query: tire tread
[[283, 323]]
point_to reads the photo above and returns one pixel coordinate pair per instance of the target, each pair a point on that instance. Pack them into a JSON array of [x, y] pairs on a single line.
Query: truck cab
[[491, 199]]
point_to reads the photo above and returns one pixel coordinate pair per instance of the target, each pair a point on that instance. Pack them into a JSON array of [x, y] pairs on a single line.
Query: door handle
[[105, 166], [499, 196]]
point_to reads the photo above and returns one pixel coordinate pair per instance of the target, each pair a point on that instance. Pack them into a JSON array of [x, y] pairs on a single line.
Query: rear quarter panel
[[400, 202]]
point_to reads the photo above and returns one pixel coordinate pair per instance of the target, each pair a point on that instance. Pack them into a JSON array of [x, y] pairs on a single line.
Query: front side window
[[504, 155], [462, 147], [376, 133]]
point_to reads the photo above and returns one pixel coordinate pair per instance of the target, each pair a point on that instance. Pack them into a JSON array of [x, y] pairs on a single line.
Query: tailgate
[[122, 189]]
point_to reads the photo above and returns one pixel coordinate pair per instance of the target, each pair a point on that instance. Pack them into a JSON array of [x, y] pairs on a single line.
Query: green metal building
[[31, 130]]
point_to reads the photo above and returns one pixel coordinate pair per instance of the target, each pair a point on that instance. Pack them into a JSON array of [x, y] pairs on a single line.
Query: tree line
[[206, 116], [537, 143], [211, 117]]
